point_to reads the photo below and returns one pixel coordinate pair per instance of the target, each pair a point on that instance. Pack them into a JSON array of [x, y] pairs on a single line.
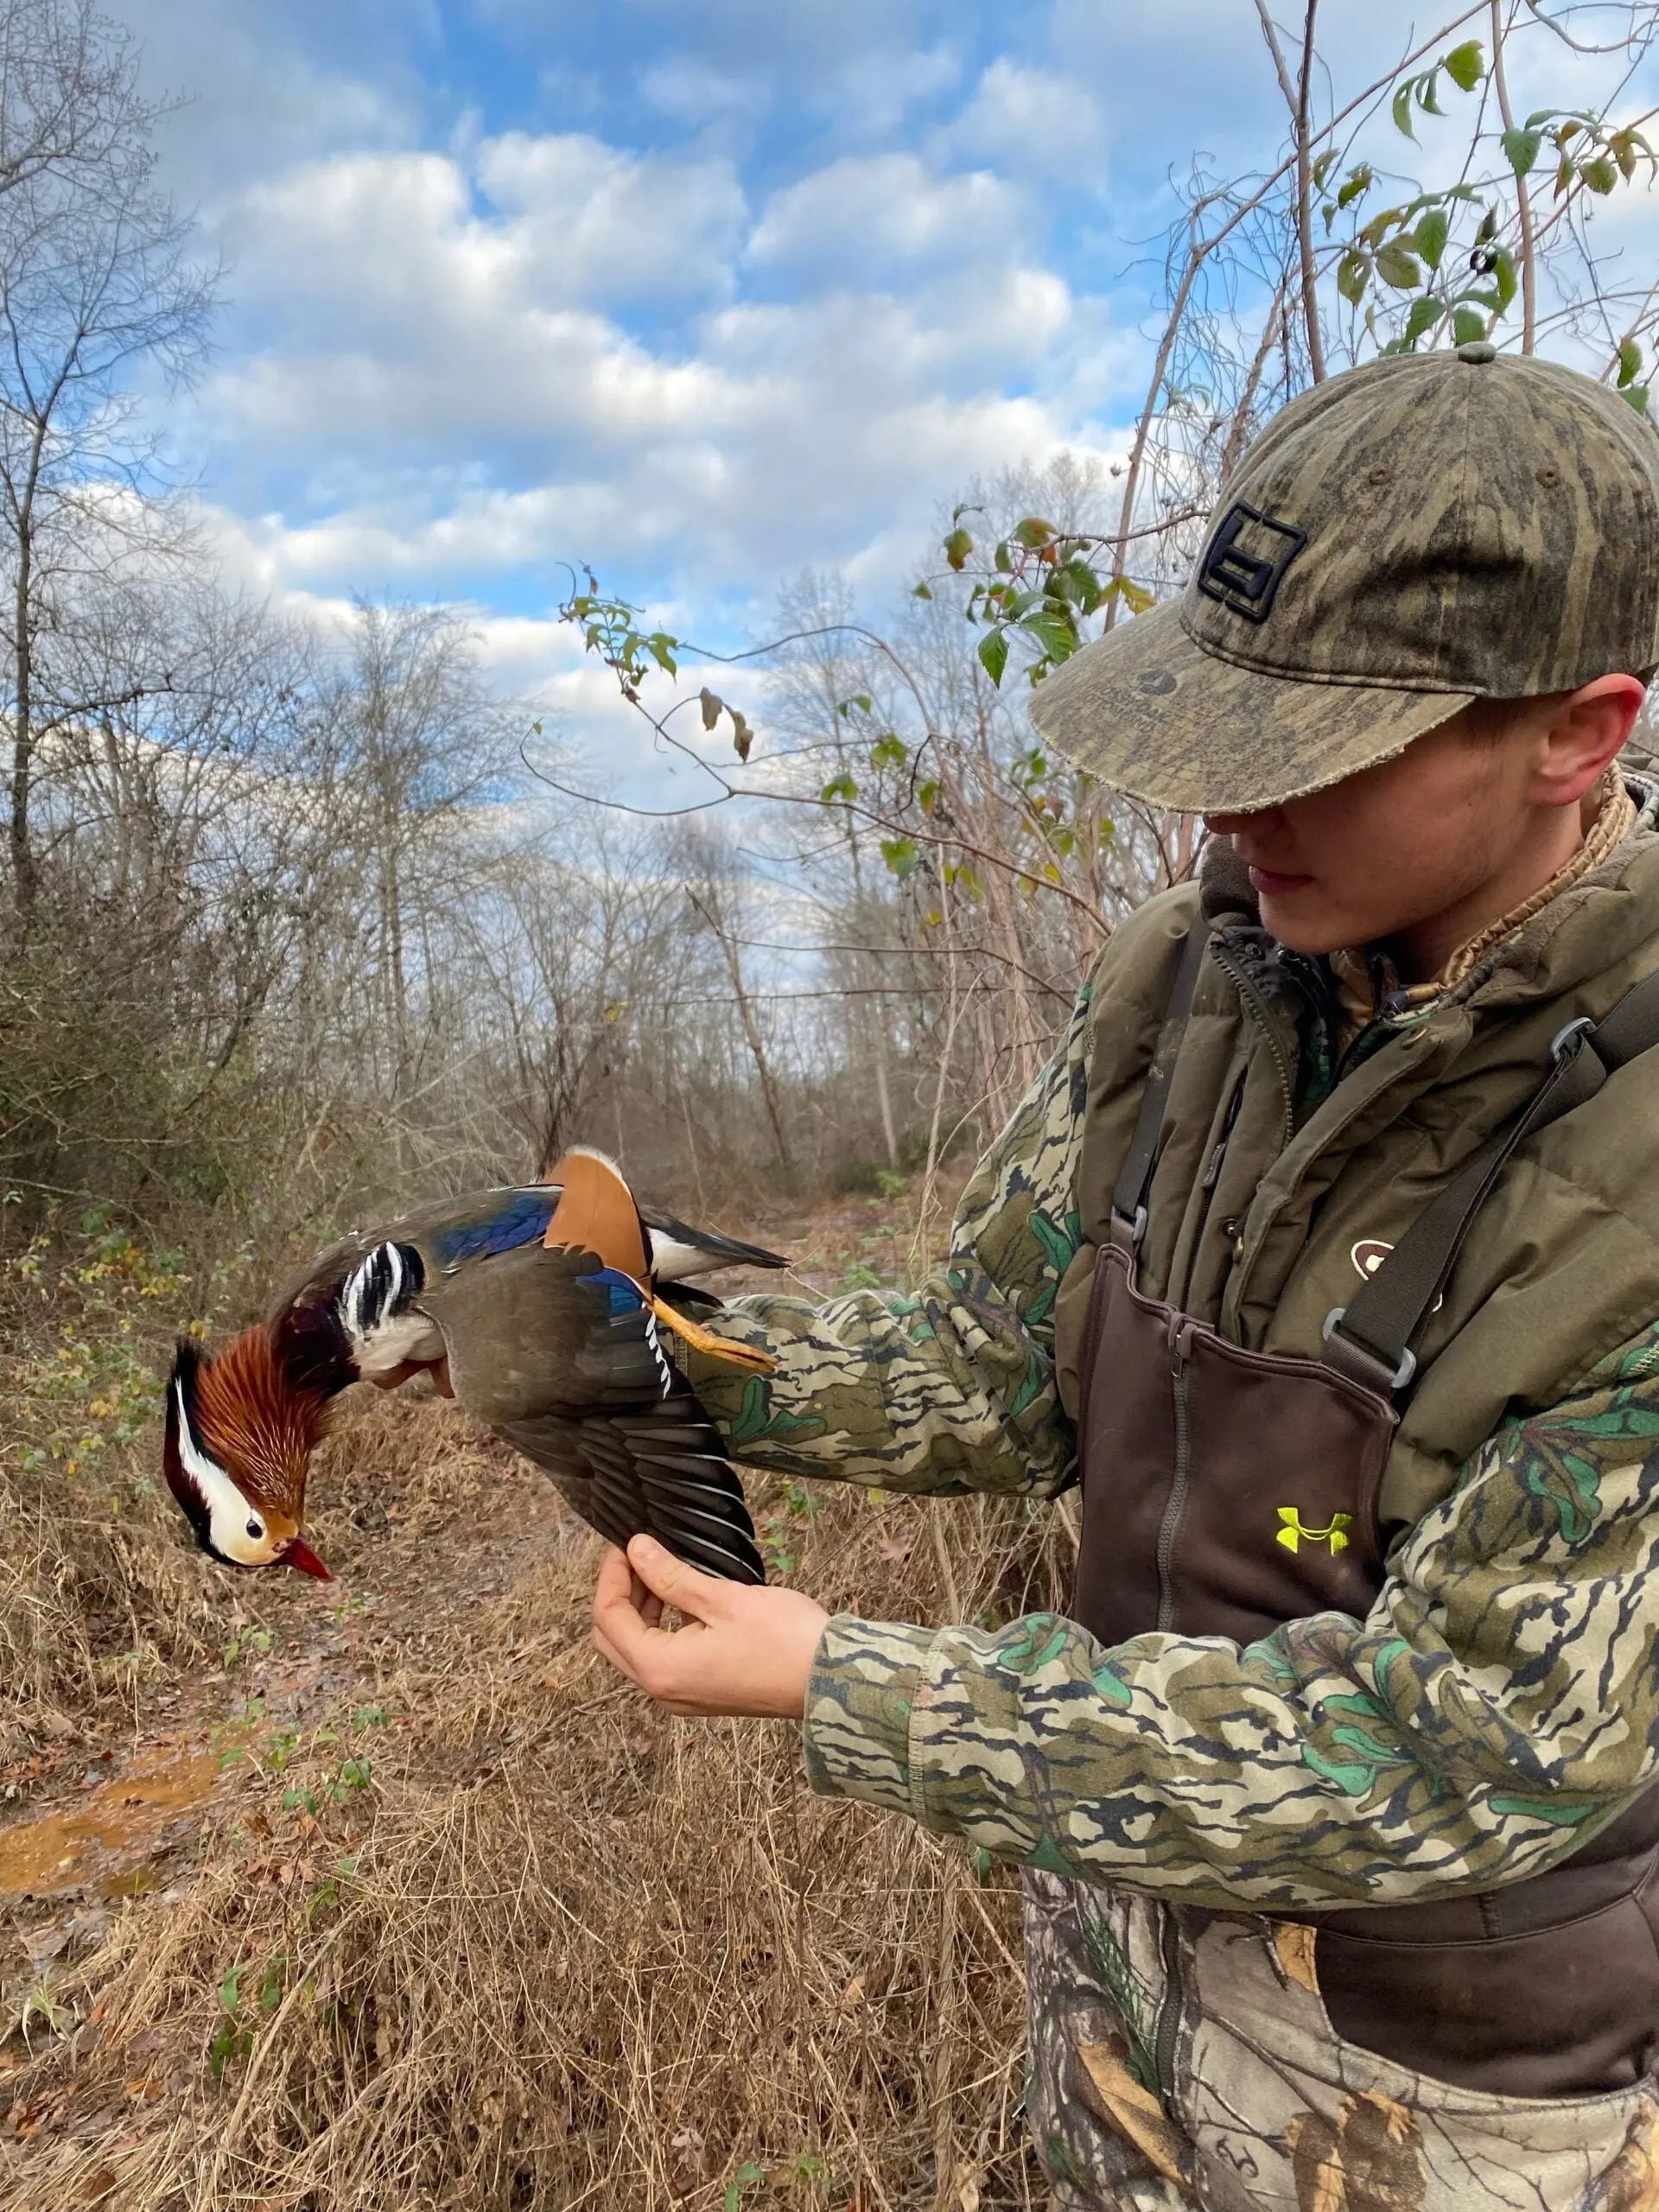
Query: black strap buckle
[[1403, 1374], [1570, 1040]]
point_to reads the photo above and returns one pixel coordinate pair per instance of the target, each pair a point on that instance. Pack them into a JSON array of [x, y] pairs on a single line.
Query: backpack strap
[[1369, 1339], [1140, 1161]]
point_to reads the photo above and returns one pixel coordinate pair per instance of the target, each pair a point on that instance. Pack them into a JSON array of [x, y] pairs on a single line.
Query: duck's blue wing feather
[[520, 1217]]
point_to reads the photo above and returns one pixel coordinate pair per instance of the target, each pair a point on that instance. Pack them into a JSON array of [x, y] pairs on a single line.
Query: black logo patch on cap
[[1246, 576]]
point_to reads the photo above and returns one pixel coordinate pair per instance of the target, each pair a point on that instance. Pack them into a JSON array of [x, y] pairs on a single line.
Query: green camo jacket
[[1501, 1702]]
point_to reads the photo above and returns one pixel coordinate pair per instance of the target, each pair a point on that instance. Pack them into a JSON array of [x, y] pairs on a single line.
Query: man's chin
[[1302, 922]]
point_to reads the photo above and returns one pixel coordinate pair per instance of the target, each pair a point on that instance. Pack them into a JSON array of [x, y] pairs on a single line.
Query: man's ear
[[1586, 730]]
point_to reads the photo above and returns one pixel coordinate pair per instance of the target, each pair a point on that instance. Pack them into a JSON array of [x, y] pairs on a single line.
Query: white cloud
[[596, 225], [447, 356], [867, 218], [691, 92], [1032, 123]]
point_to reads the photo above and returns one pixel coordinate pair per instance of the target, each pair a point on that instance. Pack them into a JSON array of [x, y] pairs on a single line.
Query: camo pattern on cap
[[1418, 533]]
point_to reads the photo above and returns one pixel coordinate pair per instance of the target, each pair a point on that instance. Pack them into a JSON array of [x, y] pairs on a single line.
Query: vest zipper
[[1167, 2027], [1169, 1528], [1231, 965]]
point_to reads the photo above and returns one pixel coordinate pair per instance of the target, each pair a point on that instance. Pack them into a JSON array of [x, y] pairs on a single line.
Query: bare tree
[[96, 286]]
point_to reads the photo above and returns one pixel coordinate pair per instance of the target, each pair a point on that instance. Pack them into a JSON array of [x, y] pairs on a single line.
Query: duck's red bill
[[301, 1556]]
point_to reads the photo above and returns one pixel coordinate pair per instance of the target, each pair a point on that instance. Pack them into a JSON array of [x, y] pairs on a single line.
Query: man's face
[[1387, 849]]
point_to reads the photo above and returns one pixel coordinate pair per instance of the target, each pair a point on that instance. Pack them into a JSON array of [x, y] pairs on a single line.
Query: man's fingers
[[703, 1597], [616, 1581], [650, 1609]]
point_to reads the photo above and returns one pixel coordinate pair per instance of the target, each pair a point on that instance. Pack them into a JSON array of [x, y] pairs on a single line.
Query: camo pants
[[1181, 2059]]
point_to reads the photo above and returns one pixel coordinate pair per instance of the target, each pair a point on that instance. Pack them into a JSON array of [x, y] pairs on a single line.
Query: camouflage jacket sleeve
[[1498, 1705], [949, 1390]]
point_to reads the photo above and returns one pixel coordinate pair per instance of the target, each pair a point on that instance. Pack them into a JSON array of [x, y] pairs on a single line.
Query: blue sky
[[700, 291]]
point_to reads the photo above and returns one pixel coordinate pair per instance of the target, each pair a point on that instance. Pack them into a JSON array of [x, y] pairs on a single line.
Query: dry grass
[[98, 1598], [550, 1948]]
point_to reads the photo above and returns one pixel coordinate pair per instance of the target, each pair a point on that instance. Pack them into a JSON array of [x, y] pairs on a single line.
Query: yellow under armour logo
[[1296, 1533]]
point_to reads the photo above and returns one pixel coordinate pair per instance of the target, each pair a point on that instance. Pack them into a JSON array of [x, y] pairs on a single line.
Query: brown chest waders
[[1549, 1987]]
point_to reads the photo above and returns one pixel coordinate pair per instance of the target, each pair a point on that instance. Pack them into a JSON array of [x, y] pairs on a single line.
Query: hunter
[[1326, 1254]]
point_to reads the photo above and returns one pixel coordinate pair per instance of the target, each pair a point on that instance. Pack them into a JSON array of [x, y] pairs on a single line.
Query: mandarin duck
[[537, 1308]]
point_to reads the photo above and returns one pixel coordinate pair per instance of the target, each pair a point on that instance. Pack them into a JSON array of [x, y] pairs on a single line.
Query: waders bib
[[1546, 1988]]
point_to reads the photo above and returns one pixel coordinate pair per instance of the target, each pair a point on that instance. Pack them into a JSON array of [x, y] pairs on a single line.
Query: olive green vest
[[1260, 1227]]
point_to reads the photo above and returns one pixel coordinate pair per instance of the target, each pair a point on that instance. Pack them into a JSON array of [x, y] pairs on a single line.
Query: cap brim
[[1156, 716]]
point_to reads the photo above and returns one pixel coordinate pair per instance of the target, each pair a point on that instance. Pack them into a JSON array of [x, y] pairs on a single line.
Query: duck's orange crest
[[596, 1213], [255, 1423]]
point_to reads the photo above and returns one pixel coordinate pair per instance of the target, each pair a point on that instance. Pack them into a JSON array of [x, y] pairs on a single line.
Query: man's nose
[[1229, 825]]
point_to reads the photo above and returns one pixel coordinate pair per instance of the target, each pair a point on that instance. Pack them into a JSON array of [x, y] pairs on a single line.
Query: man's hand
[[741, 1649], [390, 1377]]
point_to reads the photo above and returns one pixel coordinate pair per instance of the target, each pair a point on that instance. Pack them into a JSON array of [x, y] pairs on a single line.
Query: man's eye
[[254, 1529]]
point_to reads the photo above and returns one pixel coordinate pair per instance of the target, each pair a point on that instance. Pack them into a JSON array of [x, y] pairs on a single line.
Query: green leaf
[[1359, 180], [1033, 532], [744, 2176], [1425, 315], [1135, 596], [1428, 97], [1629, 363], [958, 547], [839, 787], [1505, 279], [661, 647], [1353, 274], [1052, 632], [921, 591], [1637, 396], [1600, 175], [1402, 108], [889, 752], [1430, 236], [1398, 266], [1465, 65], [993, 654], [1468, 325], [900, 855], [1520, 149], [1324, 166]]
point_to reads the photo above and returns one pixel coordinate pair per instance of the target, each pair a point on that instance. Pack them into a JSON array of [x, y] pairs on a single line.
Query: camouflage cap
[[1403, 538]]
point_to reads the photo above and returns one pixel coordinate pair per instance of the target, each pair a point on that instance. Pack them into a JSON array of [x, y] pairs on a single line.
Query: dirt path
[[428, 1725]]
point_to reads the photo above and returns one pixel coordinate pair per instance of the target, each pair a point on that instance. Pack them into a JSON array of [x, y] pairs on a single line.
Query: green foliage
[[1465, 65], [256, 1640], [611, 630], [233, 2038], [1042, 586]]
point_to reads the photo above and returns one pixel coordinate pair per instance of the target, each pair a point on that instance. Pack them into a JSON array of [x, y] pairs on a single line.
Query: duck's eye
[[255, 1529]]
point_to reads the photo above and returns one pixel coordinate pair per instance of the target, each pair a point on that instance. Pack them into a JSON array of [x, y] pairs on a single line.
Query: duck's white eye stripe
[[220, 1493]]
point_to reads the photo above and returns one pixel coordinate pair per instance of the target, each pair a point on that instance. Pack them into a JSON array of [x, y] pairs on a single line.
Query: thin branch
[[1523, 192]]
